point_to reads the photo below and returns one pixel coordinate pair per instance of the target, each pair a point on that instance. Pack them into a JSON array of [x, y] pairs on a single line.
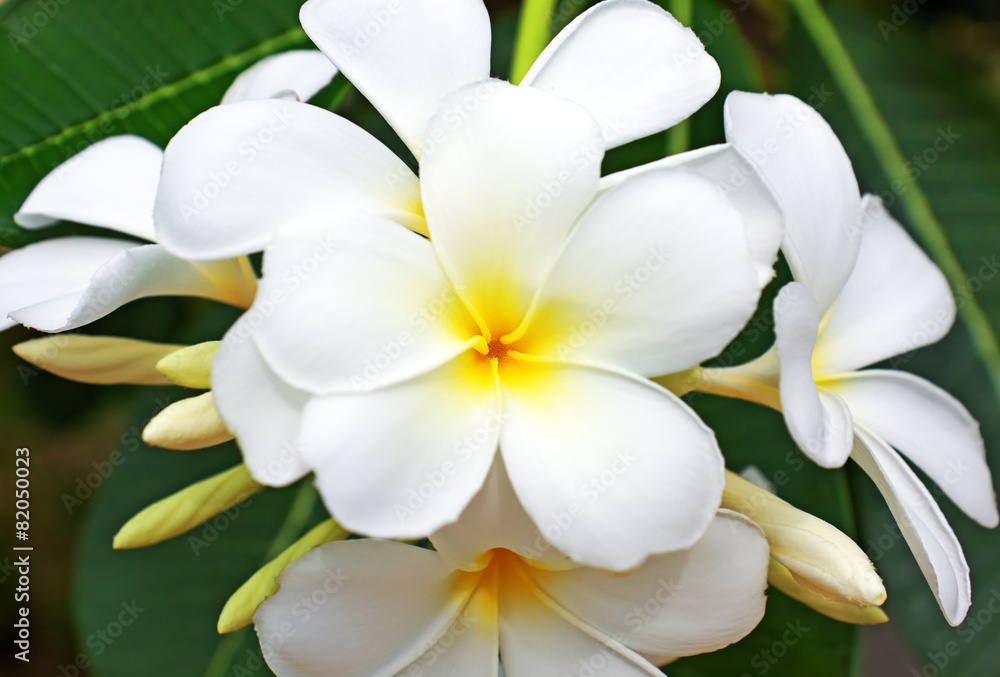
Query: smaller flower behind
[[864, 292], [386, 608], [64, 283]]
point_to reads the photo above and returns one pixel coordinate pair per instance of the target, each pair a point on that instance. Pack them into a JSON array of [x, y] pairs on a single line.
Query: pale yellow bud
[[187, 508], [820, 557], [238, 612], [192, 423], [102, 360], [190, 367], [781, 578]]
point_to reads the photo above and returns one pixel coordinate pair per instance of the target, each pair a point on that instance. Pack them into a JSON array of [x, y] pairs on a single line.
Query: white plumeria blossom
[[392, 366], [537, 618], [864, 293], [64, 283]]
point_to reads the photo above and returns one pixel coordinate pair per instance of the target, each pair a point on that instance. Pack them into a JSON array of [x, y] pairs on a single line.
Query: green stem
[[295, 520], [879, 135], [679, 136], [534, 30]]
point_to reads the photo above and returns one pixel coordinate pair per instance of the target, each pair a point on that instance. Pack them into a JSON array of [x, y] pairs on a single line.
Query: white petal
[[111, 184], [931, 428], [53, 272], [470, 647], [356, 304], [632, 65], [237, 174], [539, 638], [817, 418], [371, 608], [303, 71], [800, 156], [263, 411], [895, 301], [502, 188], [405, 460], [127, 273], [403, 56], [924, 527], [610, 467], [494, 518], [655, 278], [726, 167], [679, 604]]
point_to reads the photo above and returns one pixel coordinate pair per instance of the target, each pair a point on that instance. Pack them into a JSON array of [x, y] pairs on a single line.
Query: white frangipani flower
[[64, 283], [631, 64], [537, 618], [864, 293], [392, 366]]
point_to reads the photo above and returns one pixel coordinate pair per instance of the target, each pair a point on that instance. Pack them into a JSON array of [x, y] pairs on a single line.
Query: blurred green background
[[931, 66]]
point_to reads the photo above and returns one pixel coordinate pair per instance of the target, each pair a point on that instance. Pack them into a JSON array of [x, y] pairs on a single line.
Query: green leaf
[[153, 610], [927, 96], [77, 72]]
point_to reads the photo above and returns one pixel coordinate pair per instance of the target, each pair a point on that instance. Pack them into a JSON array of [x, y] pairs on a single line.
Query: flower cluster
[[490, 352]]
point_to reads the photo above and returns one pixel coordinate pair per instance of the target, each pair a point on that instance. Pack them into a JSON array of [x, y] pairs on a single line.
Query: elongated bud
[[781, 578], [820, 557], [192, 423], [103, 360], [190, 367], [238, 612], [187, 508]]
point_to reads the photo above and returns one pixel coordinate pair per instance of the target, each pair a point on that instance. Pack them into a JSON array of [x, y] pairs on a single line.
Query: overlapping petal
[[725, 166], [611, 468], [931, 428], [677, 604], [502, 187], [313, 166], [924, 527], [65, 283], [895, 301], [539, 638], [377, 608], [261, 409], [302, 71], [817, 418], [632, 65], [405, 460], [405, 57], [655, 278], [802, 159], [111, 184], [494, 518], [355, 304]]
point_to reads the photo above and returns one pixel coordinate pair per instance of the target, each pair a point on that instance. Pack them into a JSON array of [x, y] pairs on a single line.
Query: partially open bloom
[[393, 366], [64, 283], [864, 293], [536, 618]]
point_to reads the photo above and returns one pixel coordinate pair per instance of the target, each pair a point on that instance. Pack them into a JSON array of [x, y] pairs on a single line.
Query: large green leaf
[[929, 98], [78, 72]]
